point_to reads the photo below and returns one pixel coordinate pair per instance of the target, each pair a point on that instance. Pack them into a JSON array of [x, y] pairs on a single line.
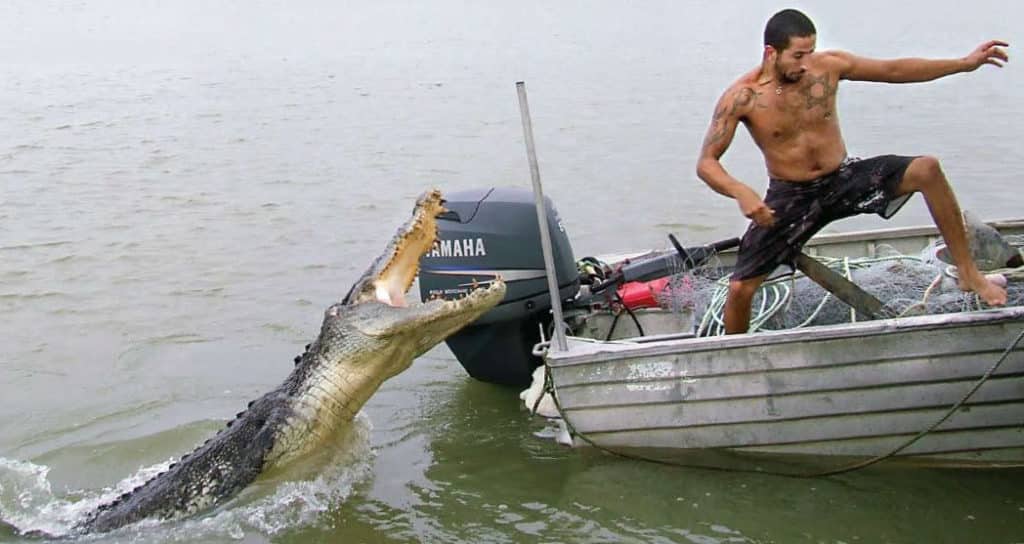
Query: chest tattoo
[[819, 91]]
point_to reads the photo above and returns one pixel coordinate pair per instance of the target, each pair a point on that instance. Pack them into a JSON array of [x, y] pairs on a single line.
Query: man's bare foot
[[990, 291]]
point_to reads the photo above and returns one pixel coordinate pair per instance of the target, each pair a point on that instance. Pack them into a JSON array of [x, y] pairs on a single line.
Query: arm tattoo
[[719, 122], [718, 126], [743, 98]]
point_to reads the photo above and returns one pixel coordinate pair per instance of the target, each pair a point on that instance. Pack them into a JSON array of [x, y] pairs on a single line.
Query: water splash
[[297, 497], [27, 501]]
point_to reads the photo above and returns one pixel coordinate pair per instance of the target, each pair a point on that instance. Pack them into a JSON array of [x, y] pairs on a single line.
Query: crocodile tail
[[209, 475]]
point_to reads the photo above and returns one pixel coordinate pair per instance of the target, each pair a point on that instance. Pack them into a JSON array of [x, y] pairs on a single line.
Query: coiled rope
[[777, 295]]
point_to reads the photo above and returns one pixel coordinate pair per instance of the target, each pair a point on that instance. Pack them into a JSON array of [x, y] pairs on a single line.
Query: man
[[788, 105]]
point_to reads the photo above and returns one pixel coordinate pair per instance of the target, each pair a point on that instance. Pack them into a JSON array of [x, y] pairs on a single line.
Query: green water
[[185, 187]]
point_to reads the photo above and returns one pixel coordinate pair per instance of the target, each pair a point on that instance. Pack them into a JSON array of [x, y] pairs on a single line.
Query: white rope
[[776, 295]]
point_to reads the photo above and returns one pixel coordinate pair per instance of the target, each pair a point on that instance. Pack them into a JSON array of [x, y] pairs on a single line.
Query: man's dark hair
[[786, 24]]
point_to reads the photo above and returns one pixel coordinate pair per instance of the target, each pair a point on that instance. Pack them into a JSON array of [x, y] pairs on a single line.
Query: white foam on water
[[24, 491], [28, 503]]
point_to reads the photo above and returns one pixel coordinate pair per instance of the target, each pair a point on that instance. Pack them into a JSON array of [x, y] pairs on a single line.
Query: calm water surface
[[185, 186]]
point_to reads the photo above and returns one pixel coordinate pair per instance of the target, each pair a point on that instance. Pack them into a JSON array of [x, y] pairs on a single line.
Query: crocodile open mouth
[[416, 238], [392, 274]]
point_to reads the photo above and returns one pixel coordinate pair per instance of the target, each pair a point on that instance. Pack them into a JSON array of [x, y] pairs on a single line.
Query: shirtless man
[[788, 105]]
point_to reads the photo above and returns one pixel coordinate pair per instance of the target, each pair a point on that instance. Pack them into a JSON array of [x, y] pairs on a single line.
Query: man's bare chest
[[784, 111]]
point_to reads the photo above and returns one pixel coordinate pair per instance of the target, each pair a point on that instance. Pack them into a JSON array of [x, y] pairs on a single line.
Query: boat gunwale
[[901, 232], [590, 351]]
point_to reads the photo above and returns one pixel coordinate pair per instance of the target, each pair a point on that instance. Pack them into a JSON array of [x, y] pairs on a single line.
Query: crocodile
[[368, 337]]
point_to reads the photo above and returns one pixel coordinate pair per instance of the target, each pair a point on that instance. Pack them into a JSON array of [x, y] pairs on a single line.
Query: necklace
[[778, 85]]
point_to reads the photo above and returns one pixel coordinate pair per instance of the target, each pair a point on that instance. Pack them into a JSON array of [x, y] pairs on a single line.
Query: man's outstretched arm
[[913, 70], [734, 104]]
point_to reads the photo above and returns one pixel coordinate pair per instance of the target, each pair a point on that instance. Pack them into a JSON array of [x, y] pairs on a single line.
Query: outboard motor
[[494, 232]]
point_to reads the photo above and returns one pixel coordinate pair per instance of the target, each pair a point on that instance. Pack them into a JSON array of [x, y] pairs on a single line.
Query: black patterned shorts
[[805, 207]]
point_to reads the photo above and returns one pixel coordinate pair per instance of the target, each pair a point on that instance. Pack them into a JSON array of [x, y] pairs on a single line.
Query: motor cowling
[[494, 232]]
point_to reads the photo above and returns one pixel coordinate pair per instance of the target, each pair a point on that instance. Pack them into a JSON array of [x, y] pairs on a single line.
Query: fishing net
[[906, 284]]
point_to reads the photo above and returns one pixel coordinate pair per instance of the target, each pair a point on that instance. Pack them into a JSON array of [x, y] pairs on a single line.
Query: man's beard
[[788, 78]]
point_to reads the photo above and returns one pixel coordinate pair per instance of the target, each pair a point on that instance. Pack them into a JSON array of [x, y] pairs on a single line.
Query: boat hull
[[857, 390]]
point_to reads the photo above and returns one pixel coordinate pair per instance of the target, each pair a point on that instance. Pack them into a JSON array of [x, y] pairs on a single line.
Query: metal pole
[[542, 218]]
